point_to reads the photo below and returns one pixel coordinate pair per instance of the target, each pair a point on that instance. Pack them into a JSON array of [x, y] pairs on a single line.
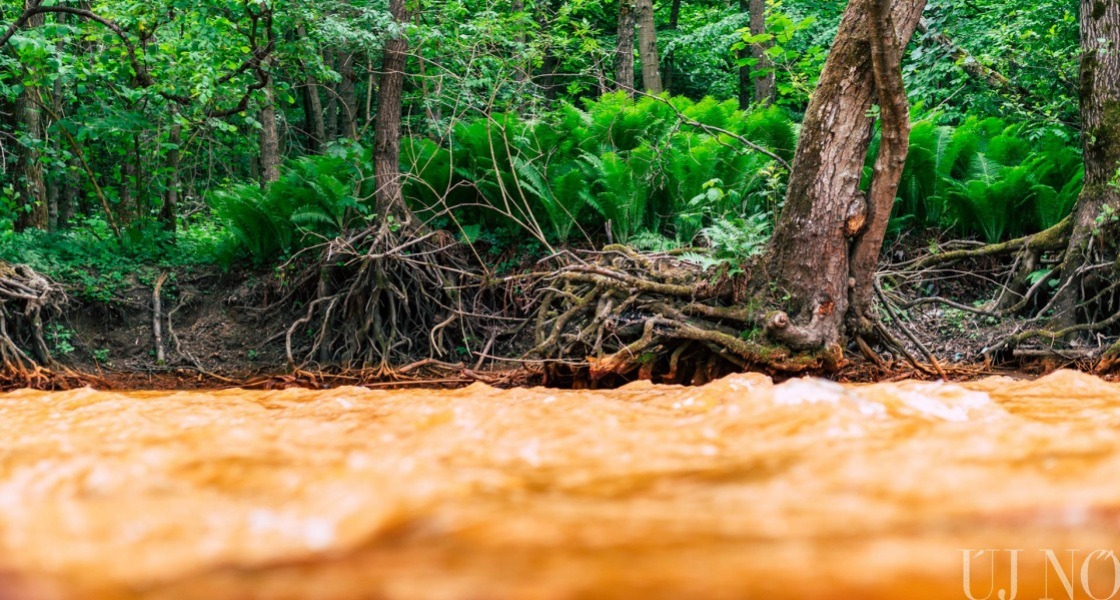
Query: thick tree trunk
[[270, 139], [808, 262], [886, 61], [1100, 119], [647, 47], [624, 52], [765, 89], [387, 124], [30, 183]]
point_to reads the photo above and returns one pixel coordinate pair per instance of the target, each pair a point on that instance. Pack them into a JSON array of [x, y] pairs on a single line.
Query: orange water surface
[[739, 489]]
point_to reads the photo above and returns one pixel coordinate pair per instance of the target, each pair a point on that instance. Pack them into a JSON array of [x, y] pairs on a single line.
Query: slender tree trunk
[[333, 105], [765, 89], [387, 125], [1100, 119], [30, 183], [520, 73], [55, 183], [746, 82], [647, 47], [624, 52], [127, 207], [670, 64], [550, 64], [807, 268], [312, 107], [270, 139], [348, 91], [174, 159]]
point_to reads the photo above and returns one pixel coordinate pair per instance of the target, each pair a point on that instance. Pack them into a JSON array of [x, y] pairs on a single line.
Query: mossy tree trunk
[[31, 184], [1098, 207], [829, 235]]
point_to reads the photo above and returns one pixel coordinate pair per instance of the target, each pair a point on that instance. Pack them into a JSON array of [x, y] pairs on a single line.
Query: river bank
[[204, 327]]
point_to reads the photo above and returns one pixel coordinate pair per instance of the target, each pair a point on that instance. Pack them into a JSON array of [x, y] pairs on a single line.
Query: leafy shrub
[[316, 198], [987, 179], [616, 165]]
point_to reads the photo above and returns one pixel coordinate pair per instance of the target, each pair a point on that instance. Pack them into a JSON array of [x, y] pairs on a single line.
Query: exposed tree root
[[1045, 304], [383, 296], [629, 315], [26, 299]]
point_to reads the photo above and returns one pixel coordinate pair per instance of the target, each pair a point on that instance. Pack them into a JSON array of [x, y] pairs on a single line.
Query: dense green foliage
[[510, 126]]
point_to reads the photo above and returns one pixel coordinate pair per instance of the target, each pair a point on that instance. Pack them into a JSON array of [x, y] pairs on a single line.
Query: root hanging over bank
[[1025, 299], [627, 315], [381, 297], [26, 300]]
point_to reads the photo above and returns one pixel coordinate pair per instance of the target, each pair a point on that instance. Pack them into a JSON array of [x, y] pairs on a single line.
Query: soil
[[214, 327], [226, 329]]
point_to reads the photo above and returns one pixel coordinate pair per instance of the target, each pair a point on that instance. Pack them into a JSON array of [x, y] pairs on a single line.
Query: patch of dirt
[[216, 328]]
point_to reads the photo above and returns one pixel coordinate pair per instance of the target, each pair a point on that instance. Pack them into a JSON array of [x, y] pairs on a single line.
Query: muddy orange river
[[740, 489]]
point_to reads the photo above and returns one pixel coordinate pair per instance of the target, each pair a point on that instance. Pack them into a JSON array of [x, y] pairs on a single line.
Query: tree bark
[[270, 138], [647, 47], [333, 105], [765, 89], [313, 107], [1100, 118], [624, 52], [746, 82], [170, 206], [886, 62], [348, 93], [387, 124], [670, 65], [520, 72], [55, 183], [30, 183], [546, 78], [808, 266]]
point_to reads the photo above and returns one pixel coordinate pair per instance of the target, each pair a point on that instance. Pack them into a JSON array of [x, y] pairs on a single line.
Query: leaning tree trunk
[[809, 267], [1099, 202], [624, 52], [647, 47]]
